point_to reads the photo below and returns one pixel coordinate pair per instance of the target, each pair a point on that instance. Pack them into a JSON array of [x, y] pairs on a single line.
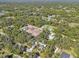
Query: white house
[[51, 36]]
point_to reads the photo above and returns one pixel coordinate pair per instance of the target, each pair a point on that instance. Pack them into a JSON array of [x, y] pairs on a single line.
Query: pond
[[64, 55]]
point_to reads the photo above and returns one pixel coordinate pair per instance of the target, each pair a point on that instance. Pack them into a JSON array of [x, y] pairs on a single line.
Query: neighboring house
[[30, 49], [50, 17], [73, 25], [44, 18], [51, 36], [10, 17], [42, 45], [34, 31], [4, 34], [57, 50], [16, 56], [2, 14]]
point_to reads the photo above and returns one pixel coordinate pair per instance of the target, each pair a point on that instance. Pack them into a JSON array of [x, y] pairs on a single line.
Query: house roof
[[35, 31]]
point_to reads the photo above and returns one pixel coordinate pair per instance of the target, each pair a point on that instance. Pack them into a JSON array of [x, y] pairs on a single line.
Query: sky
[[38, 0]]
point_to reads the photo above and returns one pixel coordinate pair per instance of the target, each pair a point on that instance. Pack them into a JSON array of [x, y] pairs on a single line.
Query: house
[[16, 56], [30, 49], [44, 18], [34, 31], [2, 14], [51, 36], [50, 17], [42, 45], [10, 17], [57, 50], [4, 34]]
